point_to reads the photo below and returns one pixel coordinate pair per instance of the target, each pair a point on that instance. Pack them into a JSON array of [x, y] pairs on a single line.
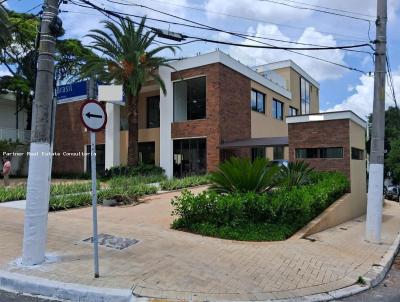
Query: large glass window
[[153, 112], [277, 109], [292, 111], [305, 96], [335, 152], [147, 152], [190, 99], [257, 153], [257, 101], [190, 157], [278, 152]]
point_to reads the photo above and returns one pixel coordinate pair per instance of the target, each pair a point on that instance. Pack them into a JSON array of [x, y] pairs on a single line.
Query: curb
[[35, 286]]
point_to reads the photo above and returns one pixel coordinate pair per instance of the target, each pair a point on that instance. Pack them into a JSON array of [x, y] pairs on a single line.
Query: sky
[[340, 88]]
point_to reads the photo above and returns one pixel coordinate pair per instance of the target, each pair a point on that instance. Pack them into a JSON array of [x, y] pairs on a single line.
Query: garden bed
[[253, 216]]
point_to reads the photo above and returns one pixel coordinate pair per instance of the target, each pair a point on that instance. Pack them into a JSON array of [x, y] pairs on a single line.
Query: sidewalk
[[168, 264]]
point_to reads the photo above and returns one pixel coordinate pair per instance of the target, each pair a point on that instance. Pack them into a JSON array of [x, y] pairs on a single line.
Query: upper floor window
[[305, 96], [257, 101], [153, 112], [190, 99], [292, 111], [277, 109]]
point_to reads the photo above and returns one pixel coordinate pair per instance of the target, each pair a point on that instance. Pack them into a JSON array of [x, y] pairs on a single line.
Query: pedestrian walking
[[6, 171]]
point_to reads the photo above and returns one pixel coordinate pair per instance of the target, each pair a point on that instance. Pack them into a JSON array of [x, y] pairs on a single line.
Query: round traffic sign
[[93, 115]]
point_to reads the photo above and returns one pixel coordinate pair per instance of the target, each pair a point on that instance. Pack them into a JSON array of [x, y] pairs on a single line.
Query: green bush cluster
[[123, 181], [142, 169], [64, 202], [186, 182], [12, 193], [253, 216], [128, 192], [71, 188]]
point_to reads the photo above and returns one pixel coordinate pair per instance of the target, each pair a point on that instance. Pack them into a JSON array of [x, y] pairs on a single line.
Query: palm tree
[[127, 57]]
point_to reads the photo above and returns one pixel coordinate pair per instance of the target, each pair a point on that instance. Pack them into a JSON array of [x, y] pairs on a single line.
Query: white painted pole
[[94, 203], [375, 185]]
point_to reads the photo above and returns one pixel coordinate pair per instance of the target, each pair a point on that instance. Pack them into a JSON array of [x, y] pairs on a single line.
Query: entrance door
[[190, 157], [100, 158]]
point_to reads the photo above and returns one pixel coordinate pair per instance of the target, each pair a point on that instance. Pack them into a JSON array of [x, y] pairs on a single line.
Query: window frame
[[305, 96], [356, 152], [274, 152], [257, 94], [318, 153], [148, 126], [275, 103], [291, 109]]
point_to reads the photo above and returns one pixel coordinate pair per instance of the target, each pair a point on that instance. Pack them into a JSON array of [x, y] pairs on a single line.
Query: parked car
[[280, 162], [393, 193]]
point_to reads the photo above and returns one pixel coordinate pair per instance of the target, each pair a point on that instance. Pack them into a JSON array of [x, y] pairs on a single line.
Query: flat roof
[[257, 142], [220, 57], [294, 66], [325, 116]]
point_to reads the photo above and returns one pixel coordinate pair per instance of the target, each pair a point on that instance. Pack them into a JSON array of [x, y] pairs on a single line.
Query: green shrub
[[12, 193], [243, 175], [295, 174], [123, 181], [131, 191], [65, 202], [236, 214], [71, 188], [186, 182], [141, 169]]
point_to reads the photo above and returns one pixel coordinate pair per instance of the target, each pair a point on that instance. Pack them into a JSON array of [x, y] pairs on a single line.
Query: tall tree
[[4, 30], [128, 57]]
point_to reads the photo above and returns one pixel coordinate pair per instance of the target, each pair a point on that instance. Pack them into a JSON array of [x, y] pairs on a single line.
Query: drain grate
[[114, 242]]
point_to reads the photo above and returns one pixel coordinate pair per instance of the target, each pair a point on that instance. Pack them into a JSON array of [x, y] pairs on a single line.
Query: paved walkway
[[177, 265]]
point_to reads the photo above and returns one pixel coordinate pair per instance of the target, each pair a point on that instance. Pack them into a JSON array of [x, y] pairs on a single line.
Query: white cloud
[[255, 9], [318, 69], [361, 101]]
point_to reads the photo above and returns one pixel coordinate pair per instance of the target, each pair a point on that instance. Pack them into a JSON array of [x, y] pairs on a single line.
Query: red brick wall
[[70, 136], [227, 110], [335, 133]]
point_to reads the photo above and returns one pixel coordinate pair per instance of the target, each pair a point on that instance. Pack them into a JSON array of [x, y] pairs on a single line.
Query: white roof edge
[[220, 57], [327, 116], [297, 68]]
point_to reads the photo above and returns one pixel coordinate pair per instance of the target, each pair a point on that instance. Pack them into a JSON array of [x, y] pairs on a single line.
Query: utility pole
[[376, 172], [38, 191]]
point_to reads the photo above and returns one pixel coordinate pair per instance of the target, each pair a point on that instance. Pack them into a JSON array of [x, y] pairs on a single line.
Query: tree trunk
[[133, 130]]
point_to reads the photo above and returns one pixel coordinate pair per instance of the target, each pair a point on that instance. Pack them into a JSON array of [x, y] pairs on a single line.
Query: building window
[[257, 153], [190, 157], [257, 101], [147, 153], [292, 111], [335, 152], [357, 154], [277, 109], [190, 99], [278, 152], [305, 96], [153, 112]]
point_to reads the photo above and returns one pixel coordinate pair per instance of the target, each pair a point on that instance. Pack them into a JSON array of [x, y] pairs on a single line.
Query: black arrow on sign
[[89, 115]]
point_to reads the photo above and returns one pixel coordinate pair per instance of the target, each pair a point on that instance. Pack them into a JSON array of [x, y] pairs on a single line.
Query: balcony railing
[[14, 135]]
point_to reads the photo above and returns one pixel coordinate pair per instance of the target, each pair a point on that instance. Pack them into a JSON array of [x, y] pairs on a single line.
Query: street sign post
[[94, 118]]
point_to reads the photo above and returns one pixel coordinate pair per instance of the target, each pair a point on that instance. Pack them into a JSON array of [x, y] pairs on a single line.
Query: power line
[[269, 46], [316, 10], [391, 83], [332, 8], [359, 39]]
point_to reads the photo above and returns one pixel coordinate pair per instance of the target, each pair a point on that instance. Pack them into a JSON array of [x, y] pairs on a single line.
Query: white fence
[[23, 136]]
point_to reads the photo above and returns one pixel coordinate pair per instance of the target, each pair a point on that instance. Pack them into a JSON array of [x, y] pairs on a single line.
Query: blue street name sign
[[72, 92]]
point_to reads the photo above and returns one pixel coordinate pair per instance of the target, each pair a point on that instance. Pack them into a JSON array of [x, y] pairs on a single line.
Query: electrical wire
[[269, 46], [390, 80], [316, 10]]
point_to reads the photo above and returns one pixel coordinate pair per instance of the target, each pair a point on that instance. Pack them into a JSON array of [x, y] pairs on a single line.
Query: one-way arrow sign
[[93, 115]]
